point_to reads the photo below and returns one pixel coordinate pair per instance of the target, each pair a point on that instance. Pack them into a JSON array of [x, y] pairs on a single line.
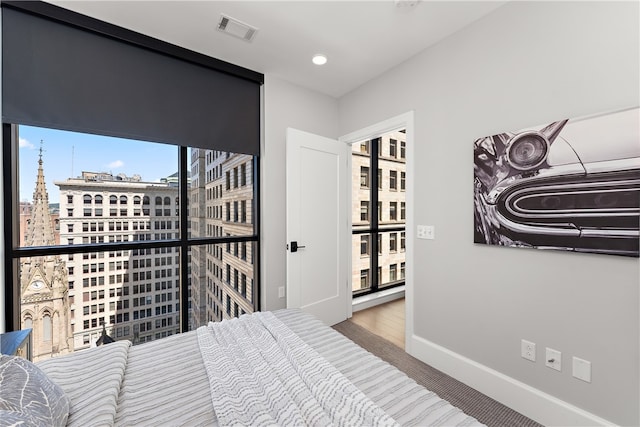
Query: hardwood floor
[[385, 320]]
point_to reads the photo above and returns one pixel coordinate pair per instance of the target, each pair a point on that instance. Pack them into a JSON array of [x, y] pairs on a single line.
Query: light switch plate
[[553, 359]]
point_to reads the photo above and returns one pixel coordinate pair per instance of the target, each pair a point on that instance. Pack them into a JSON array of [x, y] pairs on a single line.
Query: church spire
[[40, 229]]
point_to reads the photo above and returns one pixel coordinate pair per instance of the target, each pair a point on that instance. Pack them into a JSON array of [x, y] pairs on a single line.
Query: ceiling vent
[[235, 28]]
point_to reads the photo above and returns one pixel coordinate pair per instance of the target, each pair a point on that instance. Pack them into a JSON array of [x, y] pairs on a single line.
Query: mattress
[[164, 382]]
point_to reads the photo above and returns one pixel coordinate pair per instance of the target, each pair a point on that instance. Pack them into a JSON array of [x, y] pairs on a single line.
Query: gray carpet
[[471, 401]]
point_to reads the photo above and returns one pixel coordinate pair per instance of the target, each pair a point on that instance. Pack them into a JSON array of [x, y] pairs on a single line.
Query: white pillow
[[28, 397]]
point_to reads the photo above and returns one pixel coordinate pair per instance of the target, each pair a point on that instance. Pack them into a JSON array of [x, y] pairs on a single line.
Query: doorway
[[381, 167]]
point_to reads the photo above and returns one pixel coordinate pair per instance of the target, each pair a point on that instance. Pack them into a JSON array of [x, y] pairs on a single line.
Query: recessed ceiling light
[[319, 59]]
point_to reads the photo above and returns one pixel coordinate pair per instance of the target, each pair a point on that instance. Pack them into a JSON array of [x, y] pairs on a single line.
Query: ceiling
[[362, 39]]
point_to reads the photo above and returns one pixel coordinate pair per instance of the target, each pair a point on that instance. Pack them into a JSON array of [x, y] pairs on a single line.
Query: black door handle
[[295, 246]]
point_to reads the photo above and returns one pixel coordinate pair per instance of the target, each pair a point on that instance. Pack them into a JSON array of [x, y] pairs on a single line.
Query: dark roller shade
[[61, 76]]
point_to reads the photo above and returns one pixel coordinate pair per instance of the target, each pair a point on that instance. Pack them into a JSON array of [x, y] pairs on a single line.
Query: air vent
[[235, 28]]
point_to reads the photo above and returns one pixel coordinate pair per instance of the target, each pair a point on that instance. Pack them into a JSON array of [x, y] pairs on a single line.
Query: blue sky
[[92, 153]]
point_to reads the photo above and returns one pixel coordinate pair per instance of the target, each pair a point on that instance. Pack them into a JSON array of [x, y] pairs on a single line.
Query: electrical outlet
[[528, 350], [553, 359], [426, 232], [281, 292]]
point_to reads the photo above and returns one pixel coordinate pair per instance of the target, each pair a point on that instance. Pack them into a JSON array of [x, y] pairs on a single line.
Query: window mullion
[[374, 214], [184, 237]]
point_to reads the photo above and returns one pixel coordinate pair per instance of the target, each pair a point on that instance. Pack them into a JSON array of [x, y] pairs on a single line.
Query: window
[[403, 150], [186, 241], [393, 146], [393, 180], [364, 279], [243, 174], [393, 272], [364, 245], [393, 211], [108, 276], [46, 327], [364, 147], [364, 211], [364, 177], [376, 228]]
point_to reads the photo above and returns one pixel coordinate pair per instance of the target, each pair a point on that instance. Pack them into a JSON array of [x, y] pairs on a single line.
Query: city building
[[221, 205], [386, 225], [44, 296], [133, 293]]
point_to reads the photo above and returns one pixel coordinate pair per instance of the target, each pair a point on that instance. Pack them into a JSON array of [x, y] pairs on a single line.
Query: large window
[[380, 231], [113, 234], [129, 272]]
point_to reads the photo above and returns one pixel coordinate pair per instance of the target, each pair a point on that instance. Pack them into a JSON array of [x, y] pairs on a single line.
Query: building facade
[[222, 205], [134, 293], [45, 301], [390, 213]]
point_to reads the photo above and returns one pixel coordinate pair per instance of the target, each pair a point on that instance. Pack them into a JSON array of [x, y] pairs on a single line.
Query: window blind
[[67, 71]]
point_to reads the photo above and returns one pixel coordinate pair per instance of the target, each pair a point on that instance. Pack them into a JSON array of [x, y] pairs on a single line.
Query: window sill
[[381, 297]]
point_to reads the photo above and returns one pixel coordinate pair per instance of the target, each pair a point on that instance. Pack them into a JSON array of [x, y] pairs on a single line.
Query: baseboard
[[529, 401]]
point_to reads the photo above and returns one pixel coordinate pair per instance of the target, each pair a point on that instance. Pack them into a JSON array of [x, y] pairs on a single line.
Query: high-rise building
[[221, 205], [45, 301], [384, 226], [134, 293]]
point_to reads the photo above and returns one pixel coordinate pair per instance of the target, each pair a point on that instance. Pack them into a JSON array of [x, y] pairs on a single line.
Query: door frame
[[406, 121]]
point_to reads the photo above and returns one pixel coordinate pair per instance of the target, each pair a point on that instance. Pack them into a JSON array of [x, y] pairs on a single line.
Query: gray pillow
[[28, 397]]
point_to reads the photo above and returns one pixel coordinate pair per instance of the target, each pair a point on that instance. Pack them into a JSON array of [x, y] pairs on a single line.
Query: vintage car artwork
[[570, 185]]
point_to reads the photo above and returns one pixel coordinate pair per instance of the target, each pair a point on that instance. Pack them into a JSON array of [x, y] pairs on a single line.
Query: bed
[[273, 368]]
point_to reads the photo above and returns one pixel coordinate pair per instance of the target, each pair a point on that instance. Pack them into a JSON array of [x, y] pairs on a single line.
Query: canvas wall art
[[571, 185]]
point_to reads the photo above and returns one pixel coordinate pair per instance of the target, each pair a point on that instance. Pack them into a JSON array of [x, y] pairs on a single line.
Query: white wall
[[285, 105], [526, 64]]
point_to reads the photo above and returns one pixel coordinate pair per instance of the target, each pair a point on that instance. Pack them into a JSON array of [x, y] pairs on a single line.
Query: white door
[[317, 219]]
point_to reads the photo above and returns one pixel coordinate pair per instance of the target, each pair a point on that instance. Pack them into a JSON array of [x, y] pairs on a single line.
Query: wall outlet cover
[[528, 350]]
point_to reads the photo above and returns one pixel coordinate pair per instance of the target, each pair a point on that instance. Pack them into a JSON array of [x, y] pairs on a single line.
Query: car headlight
[[527, 150]]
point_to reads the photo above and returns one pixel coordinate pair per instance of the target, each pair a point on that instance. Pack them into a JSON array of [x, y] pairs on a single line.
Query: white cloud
[[116, 164], [25, 143]]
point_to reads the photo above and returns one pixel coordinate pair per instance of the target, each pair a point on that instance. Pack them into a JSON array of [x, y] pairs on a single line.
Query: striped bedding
[[165, 382]]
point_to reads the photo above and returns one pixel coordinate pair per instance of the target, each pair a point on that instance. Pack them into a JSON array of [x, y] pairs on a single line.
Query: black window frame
[[374, 228], [183, 242]]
